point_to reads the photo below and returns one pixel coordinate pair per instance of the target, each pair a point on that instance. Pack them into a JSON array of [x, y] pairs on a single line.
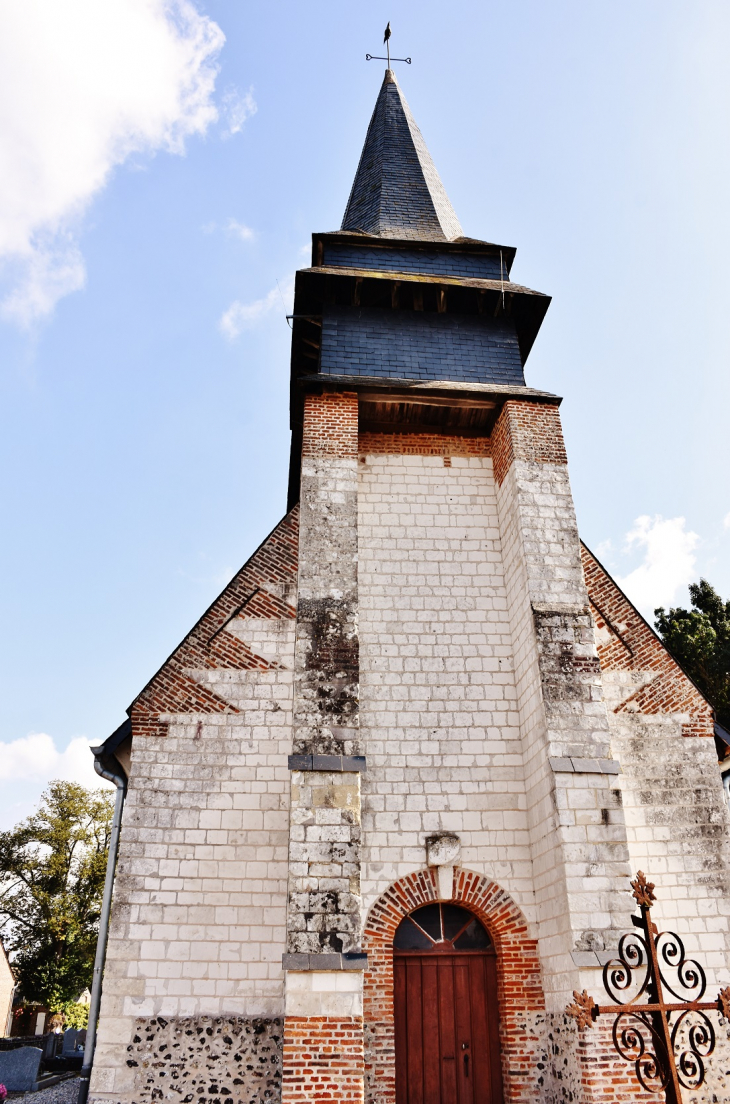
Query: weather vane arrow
[[386, 40]]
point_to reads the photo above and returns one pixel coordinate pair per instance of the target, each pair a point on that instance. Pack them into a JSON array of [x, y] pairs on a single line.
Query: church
[[384, 801]]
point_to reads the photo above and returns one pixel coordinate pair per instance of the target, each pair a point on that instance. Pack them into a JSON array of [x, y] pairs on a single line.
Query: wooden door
[[447, 1028]]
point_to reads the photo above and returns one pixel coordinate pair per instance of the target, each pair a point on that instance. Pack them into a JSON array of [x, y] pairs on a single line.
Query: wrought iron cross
[[667, 1053], [386, 42]]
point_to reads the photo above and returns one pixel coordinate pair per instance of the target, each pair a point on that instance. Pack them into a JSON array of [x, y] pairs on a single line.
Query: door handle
[[465, 1048]]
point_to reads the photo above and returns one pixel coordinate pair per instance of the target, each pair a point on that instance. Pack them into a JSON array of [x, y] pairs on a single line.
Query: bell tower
[[444, 652]]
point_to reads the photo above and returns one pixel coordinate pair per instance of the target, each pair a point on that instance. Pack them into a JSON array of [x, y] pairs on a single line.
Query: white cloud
[[669, 561], [238, 230], [236, 108], [82, 87], [35, 758], [726, 521], [241, 316], [28, 764]]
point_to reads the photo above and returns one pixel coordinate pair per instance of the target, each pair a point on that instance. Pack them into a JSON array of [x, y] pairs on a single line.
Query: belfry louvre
[[385, 798]]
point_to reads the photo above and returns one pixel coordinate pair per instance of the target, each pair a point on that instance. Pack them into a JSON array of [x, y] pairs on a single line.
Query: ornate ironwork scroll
[[660, 1023]]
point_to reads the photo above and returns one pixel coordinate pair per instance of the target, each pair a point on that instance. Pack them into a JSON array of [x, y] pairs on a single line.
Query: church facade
[[385, 799]]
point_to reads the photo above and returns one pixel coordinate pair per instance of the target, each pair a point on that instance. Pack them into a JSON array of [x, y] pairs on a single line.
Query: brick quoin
[[626, 643], [330, 424], [527, 431], [323, 1060], [422, 444], [518, 974], [210, 646]]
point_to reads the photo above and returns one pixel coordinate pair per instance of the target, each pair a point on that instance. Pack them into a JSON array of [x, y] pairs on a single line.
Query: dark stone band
[[350, 960], [327, 763]]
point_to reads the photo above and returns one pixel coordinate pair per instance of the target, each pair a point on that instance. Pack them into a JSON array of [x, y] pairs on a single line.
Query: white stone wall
[[577, 827], [336, 993], [678, 833], [199, 913], [438, 710]]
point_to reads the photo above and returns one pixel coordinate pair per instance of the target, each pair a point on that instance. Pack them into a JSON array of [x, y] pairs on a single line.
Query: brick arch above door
[[521, 998]]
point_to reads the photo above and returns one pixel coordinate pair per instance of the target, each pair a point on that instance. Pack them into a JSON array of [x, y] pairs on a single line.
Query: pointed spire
[[397, 192]]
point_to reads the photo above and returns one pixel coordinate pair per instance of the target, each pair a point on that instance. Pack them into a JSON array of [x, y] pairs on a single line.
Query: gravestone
[[19, 1068], [69, 1042], [50, 1044]]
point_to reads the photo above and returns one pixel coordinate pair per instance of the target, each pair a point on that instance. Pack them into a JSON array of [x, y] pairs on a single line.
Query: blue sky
[[165, 163]]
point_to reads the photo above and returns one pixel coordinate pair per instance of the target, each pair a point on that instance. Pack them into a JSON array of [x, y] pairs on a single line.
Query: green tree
[[52, 869], [699, 639]]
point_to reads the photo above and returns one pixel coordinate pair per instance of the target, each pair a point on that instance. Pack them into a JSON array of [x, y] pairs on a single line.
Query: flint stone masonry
[[211, 1060], [420, 345]]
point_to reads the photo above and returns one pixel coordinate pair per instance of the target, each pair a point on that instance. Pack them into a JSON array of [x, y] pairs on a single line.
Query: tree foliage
[[699, 639], [52, 869], [74, 1014]]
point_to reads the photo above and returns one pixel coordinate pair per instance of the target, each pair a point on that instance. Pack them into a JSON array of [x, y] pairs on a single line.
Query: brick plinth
[[521, 1001], [323, 1060]]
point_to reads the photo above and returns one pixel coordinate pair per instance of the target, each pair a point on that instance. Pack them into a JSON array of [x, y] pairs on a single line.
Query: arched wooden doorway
[[446, 1009]]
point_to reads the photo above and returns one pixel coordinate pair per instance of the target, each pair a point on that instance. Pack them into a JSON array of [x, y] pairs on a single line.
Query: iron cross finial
[[386, 43], [643, 891]]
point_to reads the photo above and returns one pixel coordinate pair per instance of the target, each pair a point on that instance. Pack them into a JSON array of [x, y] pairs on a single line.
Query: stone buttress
[[421, 688], [323, 959]]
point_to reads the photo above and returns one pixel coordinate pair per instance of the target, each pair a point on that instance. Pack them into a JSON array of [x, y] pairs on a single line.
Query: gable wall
[[198, 919], [671, 790]]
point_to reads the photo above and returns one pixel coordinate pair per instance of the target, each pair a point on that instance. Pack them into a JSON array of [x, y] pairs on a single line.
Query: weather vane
[[386, 40]]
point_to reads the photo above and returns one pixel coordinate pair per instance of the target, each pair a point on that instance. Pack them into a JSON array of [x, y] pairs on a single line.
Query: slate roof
[[397, 192]]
